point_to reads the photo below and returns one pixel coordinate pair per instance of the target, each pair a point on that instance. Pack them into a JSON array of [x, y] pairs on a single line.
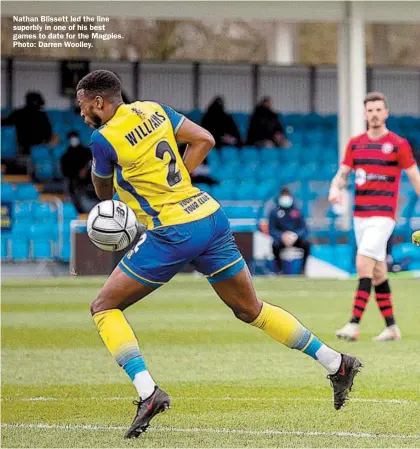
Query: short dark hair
[[101, 82], [73, 133], [376, 96]]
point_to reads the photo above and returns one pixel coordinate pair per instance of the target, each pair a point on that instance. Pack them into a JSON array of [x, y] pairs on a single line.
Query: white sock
[[144, 384], [329, 359]]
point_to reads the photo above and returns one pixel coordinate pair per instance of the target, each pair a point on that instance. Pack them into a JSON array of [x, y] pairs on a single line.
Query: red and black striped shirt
[[377, 165]]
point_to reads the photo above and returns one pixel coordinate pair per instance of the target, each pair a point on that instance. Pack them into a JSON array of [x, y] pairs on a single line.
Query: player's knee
[[379, 277], [247, 314], [98, 305], [364, 269]]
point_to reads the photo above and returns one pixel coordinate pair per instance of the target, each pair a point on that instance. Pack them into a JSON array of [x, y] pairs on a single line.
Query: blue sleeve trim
[[104, 156], [175, 117]]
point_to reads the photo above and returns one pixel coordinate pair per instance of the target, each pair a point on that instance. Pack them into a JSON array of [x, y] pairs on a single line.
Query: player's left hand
[[415, 238]]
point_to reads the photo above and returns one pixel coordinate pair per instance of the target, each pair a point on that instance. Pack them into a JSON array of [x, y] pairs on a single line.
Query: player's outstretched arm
[[199, 141], [414, 176], [338, 183], [104, 187]]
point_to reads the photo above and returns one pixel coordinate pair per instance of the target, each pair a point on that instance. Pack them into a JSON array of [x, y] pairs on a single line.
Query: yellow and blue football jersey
[[138, 147]]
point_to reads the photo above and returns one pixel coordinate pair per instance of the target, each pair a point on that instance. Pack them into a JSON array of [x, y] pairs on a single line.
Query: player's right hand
[[335, 196]]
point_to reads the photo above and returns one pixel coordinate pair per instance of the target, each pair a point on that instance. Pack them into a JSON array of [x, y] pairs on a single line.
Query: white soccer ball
[[112, 225]]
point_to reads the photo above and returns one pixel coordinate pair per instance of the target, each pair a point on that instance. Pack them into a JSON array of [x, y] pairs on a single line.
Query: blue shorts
[[208, 244]]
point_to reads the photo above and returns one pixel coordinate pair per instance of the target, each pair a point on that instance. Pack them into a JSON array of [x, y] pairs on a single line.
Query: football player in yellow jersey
[[135, 153]]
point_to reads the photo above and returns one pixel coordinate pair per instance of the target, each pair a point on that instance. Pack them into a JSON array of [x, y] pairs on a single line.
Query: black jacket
[[263, 125]]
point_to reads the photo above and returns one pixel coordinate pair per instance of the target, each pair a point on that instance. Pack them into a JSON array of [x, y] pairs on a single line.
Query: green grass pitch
[[231, 385]]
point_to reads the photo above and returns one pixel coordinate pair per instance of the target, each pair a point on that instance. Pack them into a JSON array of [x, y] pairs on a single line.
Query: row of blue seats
[[8, 143], [29, 212], [342, 256], [311, 120], [248, 176], [20, 250], [18, 192], [249, 154]]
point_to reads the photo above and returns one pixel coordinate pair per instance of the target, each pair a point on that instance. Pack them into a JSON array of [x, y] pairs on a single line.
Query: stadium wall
[[188, 86]]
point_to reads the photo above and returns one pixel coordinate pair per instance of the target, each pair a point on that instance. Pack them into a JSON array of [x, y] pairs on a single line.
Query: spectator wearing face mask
[[221, 125], [287, 227], [33, 127], [76, 168]]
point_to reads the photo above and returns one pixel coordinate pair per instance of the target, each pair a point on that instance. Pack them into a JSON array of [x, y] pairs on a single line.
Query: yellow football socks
[[121, 342]]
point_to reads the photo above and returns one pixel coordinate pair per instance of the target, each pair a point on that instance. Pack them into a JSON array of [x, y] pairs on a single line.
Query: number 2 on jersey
[[173, 177]]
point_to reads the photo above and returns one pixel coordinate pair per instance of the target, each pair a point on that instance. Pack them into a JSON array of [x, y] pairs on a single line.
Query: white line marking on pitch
[[304, 433], [129, 398]]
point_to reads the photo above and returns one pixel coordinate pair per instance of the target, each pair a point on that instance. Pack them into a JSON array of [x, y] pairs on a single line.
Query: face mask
[[74, 141], [285, 201]]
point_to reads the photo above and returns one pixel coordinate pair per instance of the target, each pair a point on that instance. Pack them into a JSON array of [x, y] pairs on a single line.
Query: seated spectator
[[33, 127], [76, 168], [265, 128], [221, 125], [287, 227]]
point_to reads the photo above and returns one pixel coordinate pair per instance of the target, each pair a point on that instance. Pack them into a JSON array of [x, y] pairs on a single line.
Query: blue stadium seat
[[8, 192], [22, 212], [26, 192], [290, 155], [4, 245], [247, 173], [266, 190], [314, 120], [245, 192], [228, 171], [343, 256], [213, 158], [195, 115], [224, 191], [85, 135], [308, 171], [56, 115], [269, 172], [250, 154], [42, 249], [42, 212], [229, 154], [8, 142], [44, 171], [323, 252], [243, 212], [44, 231], [242, 121], [271, 155], [21, 230], [414, 265], [403, 250], [20, 249], [69, 212], [41, 153], [204, 187]]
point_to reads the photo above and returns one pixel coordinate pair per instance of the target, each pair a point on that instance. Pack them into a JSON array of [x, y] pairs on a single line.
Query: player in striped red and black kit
[[377, 157]]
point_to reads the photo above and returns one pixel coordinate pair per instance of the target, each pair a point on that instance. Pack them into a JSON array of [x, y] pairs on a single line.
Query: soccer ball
[[415, 238], [112, 225]]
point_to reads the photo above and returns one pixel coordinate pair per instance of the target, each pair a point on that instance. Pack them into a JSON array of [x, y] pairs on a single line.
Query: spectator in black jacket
[[265, 128], [287, 227], [76, 169], [33, 127], [221, 125]]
